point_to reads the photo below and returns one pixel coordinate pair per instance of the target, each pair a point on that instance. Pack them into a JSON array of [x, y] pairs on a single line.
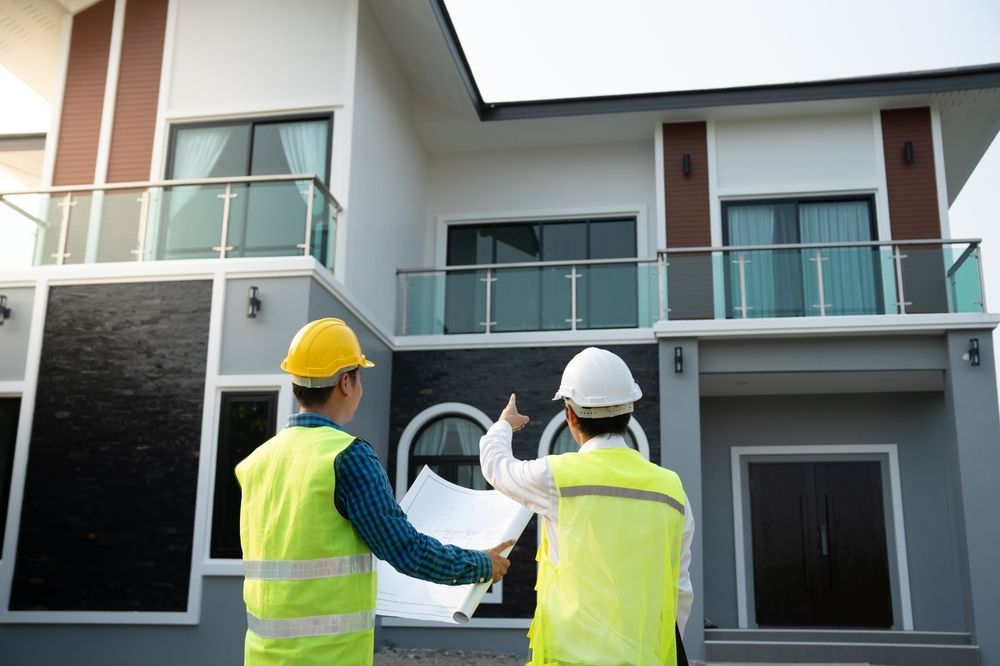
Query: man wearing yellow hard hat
[[316, 505]]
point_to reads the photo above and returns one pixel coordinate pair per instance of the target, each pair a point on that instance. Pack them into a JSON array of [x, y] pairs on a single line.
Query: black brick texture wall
[[485, 378], [108, 516]]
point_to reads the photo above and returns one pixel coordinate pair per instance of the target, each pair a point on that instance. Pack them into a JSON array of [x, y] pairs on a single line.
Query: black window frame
[[450, 462], [225, 477], [8, 473]]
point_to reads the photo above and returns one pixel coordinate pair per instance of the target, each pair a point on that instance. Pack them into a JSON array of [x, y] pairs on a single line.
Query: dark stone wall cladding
[[485, 378], [108, 517]]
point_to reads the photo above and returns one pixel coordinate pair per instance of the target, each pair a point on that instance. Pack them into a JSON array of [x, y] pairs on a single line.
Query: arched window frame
[[552, 429], [414, 427]]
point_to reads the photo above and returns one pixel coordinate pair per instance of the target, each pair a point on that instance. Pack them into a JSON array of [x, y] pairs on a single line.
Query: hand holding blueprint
[[473, 519]]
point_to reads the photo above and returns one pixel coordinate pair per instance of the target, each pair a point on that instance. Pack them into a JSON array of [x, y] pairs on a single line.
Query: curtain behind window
[[848, 273]]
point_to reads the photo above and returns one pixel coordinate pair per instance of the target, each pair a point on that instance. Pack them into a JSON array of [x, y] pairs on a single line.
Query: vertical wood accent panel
[[686, 197], [689, 277], [83, 97], [913, 201], [138, 90]]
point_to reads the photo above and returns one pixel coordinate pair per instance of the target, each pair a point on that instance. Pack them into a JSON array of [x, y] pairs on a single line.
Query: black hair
[[609, 425], [317, 397]]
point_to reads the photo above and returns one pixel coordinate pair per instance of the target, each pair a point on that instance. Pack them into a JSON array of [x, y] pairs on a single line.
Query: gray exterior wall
[[915, 422], [14, 332]]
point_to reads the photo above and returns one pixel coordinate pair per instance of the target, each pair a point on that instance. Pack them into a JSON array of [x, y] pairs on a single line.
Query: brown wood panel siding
[[83, 96], [686, 197], [913, 199], [138, 90]]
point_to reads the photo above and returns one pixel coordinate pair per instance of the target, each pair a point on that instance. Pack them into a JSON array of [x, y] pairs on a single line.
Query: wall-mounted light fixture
[[973, 351], [4, 310], [908, 152], [678, 359], [253, 303], [686, 164]]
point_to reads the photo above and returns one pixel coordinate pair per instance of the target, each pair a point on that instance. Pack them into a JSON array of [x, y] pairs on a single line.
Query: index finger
[[513, 399]]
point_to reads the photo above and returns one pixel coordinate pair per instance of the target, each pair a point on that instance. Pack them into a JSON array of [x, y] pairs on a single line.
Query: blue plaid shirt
[[364, 497]]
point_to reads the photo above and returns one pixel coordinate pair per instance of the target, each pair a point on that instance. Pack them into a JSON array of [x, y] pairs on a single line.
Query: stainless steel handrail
[[811, 246]]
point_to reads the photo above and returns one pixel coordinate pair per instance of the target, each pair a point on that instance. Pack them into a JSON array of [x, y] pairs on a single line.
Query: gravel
[[389, 656]]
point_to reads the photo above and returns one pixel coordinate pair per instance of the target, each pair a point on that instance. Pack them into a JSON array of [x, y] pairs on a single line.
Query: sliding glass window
[[786, 283]]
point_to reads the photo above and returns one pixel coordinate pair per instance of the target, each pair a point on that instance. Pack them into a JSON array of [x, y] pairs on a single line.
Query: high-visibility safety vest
[[611, 598], [309, 583]]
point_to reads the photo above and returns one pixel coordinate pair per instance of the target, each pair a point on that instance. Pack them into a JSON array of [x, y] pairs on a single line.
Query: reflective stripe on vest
[[328, 567], [314, 625], [614, 491]]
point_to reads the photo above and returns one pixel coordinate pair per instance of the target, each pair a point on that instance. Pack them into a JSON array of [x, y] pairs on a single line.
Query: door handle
[[824, 546]]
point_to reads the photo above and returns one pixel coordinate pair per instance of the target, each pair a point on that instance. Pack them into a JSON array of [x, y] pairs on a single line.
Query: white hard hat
[[597, 384]]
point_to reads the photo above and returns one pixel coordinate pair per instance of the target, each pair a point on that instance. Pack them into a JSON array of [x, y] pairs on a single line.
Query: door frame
[[888, 458]]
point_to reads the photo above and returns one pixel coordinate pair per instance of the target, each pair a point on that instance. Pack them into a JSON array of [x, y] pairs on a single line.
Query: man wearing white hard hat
[[613, 584]]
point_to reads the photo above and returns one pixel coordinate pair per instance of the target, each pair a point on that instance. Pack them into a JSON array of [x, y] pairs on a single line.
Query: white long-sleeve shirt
[[530, 482]]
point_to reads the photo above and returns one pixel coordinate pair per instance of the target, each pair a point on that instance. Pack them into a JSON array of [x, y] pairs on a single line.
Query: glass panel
[[517, 242], [691, 285], [925, 283], [471, 476], [209, 152], [516, 299], [851, 281], [290, 147], [246, 421], [465, 302], [422, 304], [77, 228], [966, 290], [649, 294], [612, 239], [21, 228], [191, 219], [450, 435], [609, 295], [274, 224], [120, 220], [324, 229], [567, 240], [556, 298], [470, 245], [10, 409]]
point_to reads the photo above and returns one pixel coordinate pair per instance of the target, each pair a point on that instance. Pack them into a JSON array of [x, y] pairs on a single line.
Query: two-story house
[[773, 262]]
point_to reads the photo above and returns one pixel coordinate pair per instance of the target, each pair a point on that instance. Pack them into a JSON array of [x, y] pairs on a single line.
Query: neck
[[332, 410]]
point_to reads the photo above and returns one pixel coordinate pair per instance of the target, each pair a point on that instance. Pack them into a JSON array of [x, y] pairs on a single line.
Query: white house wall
[[255, 56], [388, 166], [550, 181]]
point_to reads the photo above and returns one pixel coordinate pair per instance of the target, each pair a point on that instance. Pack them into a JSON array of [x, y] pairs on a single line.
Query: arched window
[[556, 437], [444, 437]]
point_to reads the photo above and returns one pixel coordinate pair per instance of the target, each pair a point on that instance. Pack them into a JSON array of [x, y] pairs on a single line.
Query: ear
[[344, 384], [571, 417]]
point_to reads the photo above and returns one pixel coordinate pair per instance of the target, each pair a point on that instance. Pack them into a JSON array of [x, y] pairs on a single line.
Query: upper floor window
[[786, 283], [542, 298], [265, 218]]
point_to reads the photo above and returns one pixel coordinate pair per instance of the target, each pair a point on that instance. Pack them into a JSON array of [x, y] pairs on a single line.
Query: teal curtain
[[772, 277], [850, 276]]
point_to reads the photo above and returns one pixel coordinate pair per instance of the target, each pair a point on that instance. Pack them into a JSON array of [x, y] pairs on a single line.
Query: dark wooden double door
[[819, 545]]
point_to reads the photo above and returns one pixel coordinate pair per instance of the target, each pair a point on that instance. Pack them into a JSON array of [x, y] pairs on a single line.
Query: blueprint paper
[[473, 519]]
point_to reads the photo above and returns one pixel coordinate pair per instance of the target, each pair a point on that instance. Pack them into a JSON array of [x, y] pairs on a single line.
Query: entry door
[[819, 548]]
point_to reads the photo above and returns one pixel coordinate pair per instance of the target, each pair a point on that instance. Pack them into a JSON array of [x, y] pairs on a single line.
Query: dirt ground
[[385, 656]]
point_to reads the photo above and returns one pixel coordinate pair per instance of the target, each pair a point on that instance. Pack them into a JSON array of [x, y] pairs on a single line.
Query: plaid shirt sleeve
[[364, 497]]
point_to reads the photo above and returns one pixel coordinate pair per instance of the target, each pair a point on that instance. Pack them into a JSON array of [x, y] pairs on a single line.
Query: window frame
[[868, 199]]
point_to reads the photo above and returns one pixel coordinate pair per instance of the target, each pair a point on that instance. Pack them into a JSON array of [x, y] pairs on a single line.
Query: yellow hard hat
[[320, 350]]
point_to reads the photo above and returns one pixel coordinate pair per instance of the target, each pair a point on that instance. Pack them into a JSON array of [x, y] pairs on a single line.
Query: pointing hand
[[499, 562], [510, 415]]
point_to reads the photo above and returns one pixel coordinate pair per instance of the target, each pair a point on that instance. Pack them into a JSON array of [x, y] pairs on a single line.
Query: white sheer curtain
[[849, 283], [449, 436], [752, 225], [305, 148], [196, 153]]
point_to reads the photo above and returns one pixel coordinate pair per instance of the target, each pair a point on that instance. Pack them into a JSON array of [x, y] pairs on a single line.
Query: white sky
[[548, 49]]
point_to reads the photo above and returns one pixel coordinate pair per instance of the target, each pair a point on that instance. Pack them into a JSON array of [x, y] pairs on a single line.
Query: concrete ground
[[386, 656]]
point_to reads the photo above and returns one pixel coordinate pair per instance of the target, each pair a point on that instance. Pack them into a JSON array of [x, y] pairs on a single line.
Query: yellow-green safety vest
[[310, 583], [611, 598]]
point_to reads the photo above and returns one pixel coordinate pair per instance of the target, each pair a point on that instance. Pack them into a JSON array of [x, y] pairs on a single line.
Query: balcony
[[256, 216], [710, 283]]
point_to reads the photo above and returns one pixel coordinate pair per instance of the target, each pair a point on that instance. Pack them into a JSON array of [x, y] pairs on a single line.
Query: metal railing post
[[661, 284], [573, 275], [307, 246], [61, 255], [898, 258], [226, 198], [489, 280], [982, 284], [743, 307], [140, 252], [819, 259]]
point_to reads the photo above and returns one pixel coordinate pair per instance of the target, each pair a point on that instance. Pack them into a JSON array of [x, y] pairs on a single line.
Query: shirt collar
[[604, 442], [311, 420]]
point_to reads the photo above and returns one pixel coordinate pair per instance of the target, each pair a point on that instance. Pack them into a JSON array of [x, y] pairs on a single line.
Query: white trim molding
[[895, 497]]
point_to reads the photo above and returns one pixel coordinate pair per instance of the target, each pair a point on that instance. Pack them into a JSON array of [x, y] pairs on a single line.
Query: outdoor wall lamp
[[4, 310], [686, 164], [908, 152], [253, 303], [678, 359], [973, 353]]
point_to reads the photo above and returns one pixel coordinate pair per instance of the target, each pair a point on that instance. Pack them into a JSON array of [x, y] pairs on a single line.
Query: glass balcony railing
[[802, 280], [539, 296], [255, 216]]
